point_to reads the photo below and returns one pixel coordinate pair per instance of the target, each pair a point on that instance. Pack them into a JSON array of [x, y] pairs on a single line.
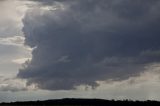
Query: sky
[[52, 49]]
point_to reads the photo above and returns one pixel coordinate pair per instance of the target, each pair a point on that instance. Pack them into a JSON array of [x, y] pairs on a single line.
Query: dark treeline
[[81, 102]]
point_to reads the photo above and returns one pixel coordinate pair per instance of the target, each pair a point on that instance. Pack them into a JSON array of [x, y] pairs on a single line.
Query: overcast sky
[[106, 49]]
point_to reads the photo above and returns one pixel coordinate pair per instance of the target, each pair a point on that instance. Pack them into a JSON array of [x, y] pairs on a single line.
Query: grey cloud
[[12, 84], [89, 41]]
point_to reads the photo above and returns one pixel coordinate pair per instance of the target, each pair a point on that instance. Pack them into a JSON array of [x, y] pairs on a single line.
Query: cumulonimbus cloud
[[82, 42]]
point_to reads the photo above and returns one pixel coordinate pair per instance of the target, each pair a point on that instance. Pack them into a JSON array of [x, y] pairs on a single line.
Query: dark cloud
[[82, 42]]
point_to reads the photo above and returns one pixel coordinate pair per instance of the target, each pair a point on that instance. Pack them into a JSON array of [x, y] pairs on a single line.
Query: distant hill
[[80, 102]]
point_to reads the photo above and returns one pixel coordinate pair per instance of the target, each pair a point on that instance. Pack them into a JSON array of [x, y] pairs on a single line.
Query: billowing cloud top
[[80, 42]]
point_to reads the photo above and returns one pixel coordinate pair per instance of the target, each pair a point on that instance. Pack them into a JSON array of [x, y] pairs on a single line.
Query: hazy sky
[[79, 48]]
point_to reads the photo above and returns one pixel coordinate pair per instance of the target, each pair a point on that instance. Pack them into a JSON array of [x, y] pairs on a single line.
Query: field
[[81, 102]]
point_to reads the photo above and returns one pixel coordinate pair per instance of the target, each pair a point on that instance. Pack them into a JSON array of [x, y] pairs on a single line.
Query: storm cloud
[[81, 42]]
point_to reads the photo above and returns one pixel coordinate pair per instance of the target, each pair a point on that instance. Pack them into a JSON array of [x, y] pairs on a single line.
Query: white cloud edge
[[14, 40], [21, 60]]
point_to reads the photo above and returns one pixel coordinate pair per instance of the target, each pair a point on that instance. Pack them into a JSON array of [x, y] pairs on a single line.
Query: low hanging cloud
[[82, 42], [14, 85]]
